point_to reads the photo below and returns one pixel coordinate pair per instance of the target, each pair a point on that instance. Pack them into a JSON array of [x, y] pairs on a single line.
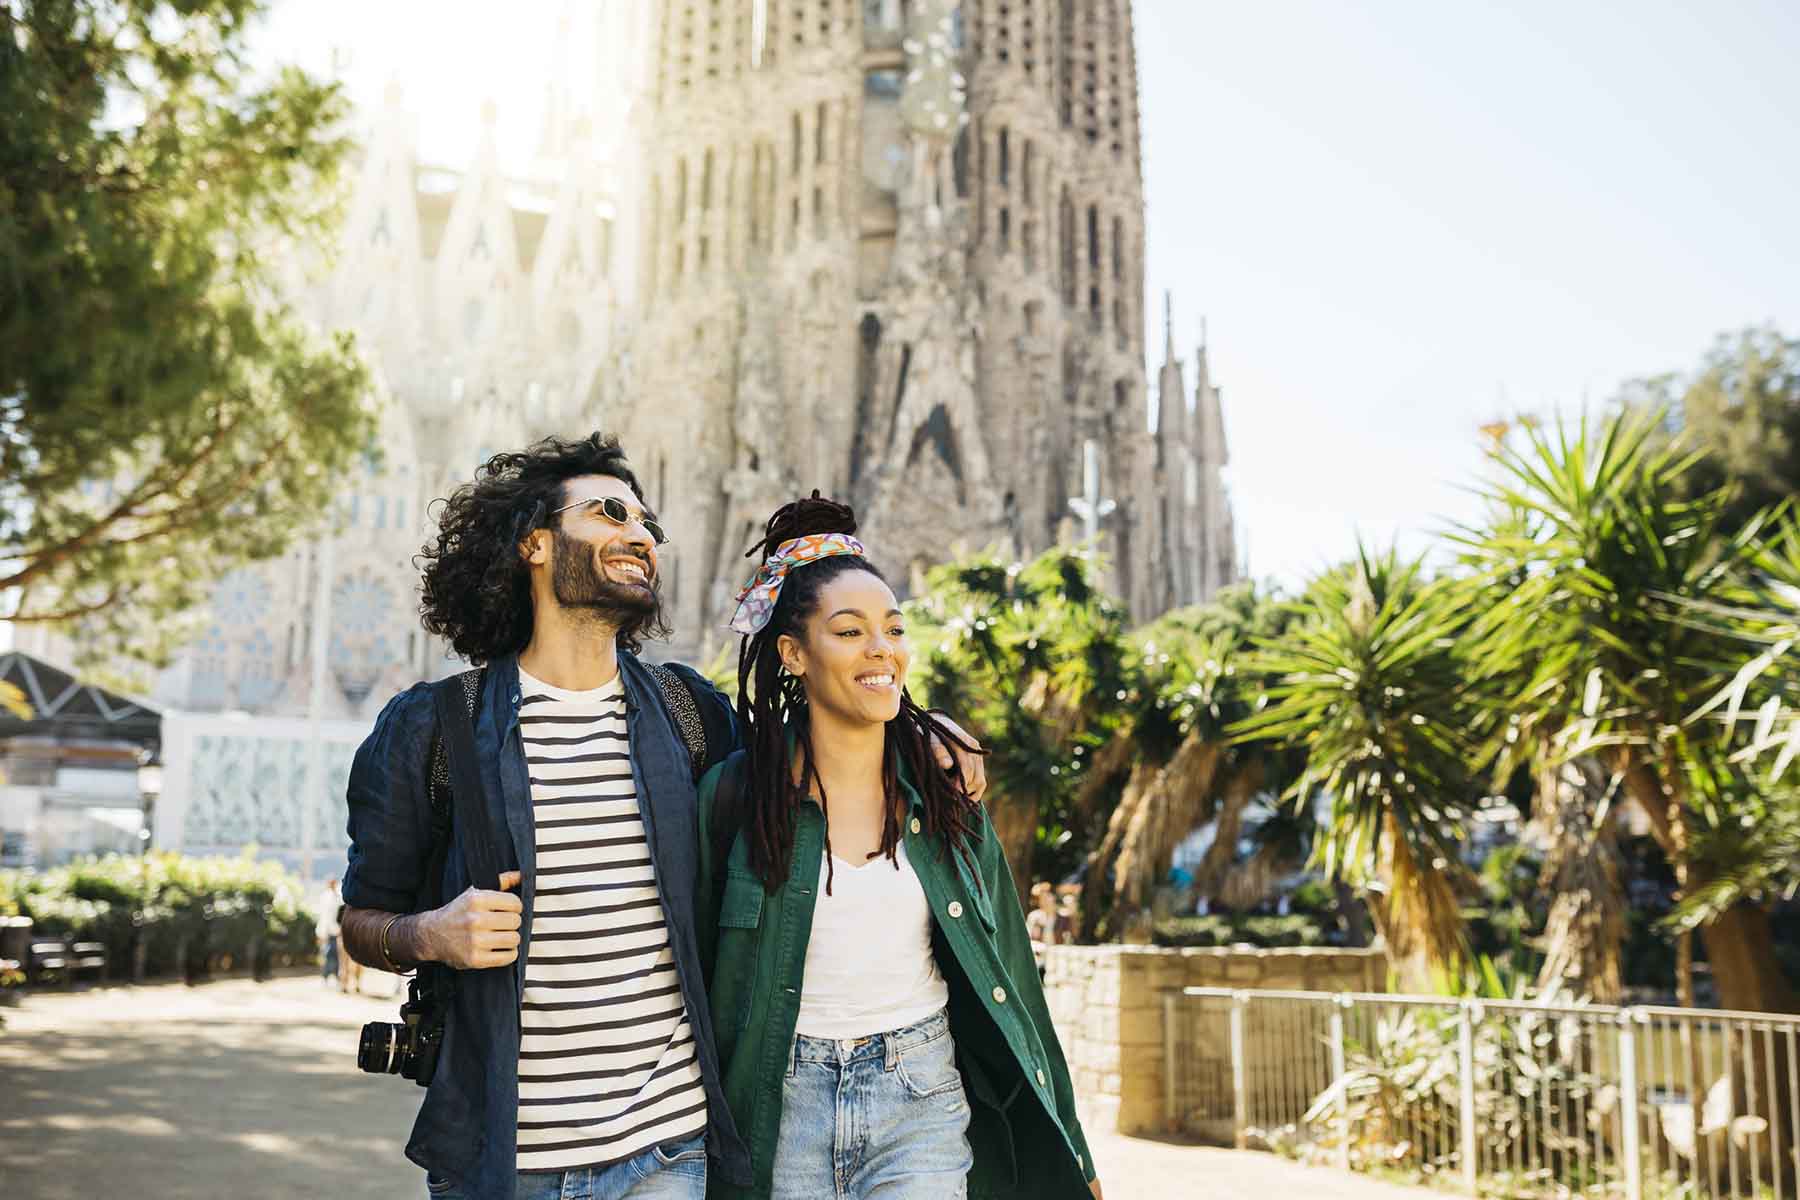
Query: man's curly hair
[[476, 590]]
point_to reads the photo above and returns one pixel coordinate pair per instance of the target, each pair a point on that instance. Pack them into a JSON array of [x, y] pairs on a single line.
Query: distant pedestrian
[[329, 903], [1066, 919], [1040, 922]]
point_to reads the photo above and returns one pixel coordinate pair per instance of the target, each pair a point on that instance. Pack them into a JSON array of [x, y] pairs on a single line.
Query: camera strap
[[468, 797]]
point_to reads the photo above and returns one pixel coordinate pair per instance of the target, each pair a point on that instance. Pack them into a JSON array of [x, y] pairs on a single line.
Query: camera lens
[[379, 1053]]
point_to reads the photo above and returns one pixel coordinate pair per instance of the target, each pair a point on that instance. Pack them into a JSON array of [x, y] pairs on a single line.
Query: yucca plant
[[1170, 766], [1029, 657], [1757, 856], [1369, 686], [1589, 556]]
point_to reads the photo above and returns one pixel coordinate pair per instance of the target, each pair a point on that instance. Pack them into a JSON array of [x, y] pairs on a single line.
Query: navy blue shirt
[[467, 1127]]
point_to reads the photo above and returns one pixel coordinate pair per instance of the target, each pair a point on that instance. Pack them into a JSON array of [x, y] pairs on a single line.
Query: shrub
[[1226, 929], [188, 913]]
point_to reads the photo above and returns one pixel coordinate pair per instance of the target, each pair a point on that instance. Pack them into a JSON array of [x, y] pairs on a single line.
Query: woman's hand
[[949, 754], [1094, 1187]]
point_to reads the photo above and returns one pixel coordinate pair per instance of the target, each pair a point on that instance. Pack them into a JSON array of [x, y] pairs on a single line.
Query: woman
[[1040, 922], [882, 1032]]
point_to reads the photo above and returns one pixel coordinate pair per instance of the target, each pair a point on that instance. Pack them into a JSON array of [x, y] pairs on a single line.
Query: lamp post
[[149, 781]]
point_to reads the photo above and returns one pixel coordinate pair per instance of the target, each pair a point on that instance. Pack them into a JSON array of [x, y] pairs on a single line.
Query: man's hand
[[1094, 1187], [974, 770], [475, 931]]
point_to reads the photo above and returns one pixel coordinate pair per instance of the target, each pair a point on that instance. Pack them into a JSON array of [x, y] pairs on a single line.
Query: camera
[[409, 1047]]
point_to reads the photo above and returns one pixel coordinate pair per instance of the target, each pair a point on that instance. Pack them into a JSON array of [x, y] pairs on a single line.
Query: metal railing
[[1496, 1098]]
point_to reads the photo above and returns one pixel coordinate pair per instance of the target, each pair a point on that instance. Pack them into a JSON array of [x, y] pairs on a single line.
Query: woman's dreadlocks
[[770, 700]]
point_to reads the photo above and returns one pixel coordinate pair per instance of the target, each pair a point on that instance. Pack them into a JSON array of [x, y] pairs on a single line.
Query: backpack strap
[[678, 698], [437, 786], [456, 728]]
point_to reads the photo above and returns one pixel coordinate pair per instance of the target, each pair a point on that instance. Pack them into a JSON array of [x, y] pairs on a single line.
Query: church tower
[[892, 249], [1196, 546]]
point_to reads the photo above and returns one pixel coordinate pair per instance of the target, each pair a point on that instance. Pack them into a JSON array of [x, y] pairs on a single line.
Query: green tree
[[1169, 767], [1028, 655], [163, 416], [1741, 411], [1368, 683], [1592, 552], [1760, 707]]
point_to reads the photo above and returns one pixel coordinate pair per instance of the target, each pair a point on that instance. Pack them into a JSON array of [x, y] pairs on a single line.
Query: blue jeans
[[673, 1172], [881, 1118]]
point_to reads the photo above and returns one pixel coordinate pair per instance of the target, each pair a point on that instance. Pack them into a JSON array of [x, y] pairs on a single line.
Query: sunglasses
[[615, 511]]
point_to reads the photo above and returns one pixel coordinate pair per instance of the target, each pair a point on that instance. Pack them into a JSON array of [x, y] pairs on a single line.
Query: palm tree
[[1582, 655], [1028, 655], [1170, 767], [1761, 857], [1369, 686]]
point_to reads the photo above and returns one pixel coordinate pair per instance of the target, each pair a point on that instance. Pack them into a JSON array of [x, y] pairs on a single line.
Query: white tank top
[[869, 967]]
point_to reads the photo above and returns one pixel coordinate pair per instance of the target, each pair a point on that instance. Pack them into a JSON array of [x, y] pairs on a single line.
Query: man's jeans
[[875, 1116], [673, 1172]]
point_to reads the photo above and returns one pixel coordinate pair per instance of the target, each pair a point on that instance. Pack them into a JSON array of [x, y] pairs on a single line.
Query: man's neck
[[577, 654]]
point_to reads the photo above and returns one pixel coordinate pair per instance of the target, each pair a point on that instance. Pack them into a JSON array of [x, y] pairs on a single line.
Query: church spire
[[1171, 391], [1208, 424], [1202, 368], [1169, 327]]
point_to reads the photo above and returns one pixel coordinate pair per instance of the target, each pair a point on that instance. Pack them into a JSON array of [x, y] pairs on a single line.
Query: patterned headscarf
[[756, 602]]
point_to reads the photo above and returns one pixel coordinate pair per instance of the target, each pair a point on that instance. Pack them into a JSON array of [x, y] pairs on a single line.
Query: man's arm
[[390, 848], [473, 932]]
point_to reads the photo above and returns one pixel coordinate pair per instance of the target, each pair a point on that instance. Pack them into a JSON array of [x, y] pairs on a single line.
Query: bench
[[55, 956]]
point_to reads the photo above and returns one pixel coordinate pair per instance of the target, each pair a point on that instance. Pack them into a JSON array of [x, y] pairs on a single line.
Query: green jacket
[[1023, 1129]]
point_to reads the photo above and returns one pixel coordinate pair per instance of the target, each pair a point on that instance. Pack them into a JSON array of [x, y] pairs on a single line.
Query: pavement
[[236, 1089]]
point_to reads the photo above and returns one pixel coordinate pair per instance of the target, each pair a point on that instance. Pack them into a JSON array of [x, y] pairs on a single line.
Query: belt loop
[[890, 1053]]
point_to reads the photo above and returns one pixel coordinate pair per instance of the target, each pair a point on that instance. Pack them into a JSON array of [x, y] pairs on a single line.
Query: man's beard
[[578, 581]]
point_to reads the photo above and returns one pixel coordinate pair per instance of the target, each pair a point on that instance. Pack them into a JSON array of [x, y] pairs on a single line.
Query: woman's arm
[[1014, 947]]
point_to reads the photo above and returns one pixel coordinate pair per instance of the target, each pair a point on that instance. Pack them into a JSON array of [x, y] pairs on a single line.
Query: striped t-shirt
[[606, 1056]]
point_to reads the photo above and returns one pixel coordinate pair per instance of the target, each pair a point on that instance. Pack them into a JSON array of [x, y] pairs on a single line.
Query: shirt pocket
[[977, 894], [740, 933]]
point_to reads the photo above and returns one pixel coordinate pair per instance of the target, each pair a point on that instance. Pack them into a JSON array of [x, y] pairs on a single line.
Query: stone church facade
[[900, 245], [891, 249]]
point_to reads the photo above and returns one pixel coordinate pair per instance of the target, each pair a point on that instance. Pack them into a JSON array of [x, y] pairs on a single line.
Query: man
[[579, 1056], [328, 904]]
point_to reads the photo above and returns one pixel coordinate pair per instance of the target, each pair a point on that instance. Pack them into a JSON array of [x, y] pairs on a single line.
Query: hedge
[[190, 915], [1226, 929]]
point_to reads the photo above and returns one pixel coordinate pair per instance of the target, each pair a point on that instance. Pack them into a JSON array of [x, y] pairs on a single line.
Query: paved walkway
[[237, 1090]]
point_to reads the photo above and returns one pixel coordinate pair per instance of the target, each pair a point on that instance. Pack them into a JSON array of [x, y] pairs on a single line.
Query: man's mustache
[[626, 550]]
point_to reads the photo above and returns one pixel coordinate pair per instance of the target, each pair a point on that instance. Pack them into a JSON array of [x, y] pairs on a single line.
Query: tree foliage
[[1029, 657], [1169, 767], [1598, 553], [164, 416], [1741, 411], [1368, 684]]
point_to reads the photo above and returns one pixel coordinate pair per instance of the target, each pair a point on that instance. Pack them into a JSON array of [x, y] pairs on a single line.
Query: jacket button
[[999, 995], [1080, 1162], [915, 824], [1040, 1078], [955, 908]]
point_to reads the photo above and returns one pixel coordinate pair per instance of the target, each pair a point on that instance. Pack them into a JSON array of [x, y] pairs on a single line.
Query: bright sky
[[1400, 221]]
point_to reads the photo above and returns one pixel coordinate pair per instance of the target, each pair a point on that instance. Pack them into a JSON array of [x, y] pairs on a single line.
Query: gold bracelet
[[386, 956]]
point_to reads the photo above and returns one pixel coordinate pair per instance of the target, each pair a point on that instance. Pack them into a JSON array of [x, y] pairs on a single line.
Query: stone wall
[[1107, 1002]]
